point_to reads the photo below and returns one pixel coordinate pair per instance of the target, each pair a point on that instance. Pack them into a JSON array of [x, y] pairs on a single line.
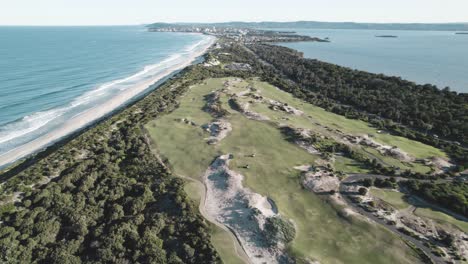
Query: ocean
[[435, 57], [51, 74]]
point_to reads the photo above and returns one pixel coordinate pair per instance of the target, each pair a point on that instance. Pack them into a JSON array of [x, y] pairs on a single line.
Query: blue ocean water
[[50, 74], [435, 57]]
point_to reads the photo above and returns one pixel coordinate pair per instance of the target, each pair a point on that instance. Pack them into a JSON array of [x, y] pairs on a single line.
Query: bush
[[279, 230], [362, 191]]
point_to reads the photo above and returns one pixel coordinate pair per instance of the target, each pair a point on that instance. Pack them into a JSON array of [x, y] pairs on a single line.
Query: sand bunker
[[244, 109], [242, 211], [320, 180], [218, 131], [278, 106]]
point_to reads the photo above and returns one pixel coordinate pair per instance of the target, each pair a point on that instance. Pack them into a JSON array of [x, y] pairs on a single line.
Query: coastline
[[95, 113]]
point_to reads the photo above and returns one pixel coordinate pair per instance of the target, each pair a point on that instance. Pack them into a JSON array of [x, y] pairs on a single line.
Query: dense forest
[[387, 102], [423, 107], [453, 195]]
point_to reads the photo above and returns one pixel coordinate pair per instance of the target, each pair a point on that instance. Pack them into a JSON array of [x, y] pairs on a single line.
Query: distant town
[[245, 35]]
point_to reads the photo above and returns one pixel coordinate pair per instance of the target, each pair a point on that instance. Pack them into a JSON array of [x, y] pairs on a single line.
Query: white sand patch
[[387, 150], [275, 105], [441, 163], [321, 180], [241, 210], [308, 147], [211, 63], [218, 131], [304, 168], [244, 109]]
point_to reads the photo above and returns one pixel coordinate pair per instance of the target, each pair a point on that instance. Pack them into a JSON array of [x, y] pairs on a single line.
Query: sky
[[132, 12]]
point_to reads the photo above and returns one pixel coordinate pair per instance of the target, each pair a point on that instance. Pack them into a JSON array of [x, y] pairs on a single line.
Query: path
[[239, 250]]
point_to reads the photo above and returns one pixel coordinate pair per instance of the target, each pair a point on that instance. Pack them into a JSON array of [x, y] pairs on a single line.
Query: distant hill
[[332, 25]]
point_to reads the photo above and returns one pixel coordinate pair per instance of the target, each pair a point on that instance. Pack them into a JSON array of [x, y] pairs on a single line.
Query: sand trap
[[241, 210], [321, 180], [218, 131], [244, 109], [275, 105]]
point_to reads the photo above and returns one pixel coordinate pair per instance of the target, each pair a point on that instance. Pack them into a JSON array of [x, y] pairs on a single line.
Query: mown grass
[[321, 233], [442, 218], [394, 198], [414, 148], [397, 200], [348, 165], [221, 239]]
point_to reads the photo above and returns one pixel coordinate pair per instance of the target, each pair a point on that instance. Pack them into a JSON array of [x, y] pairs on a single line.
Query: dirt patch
[[218, 131], [392, 151], [236, 66], [214, 106], [308, 147], [321, 180], [244, 109], [279, 106], [440, 163], [242, 211]]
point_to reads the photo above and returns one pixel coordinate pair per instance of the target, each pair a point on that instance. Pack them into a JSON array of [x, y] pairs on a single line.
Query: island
[[386, 36], [461, 33]]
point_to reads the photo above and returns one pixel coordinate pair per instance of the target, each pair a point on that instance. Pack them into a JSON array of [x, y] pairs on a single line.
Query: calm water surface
[[436, 57]]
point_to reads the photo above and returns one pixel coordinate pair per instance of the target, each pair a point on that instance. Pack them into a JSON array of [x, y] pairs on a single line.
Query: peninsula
[[252, 154]]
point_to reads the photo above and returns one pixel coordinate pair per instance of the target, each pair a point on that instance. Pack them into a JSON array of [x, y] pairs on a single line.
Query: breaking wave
[[23, 130]]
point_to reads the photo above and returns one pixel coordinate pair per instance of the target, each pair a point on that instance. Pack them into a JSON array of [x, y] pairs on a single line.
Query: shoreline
[[95, 113]]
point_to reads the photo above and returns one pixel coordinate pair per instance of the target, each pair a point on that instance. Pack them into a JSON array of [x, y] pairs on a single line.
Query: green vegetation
[[279, 230], [335, 126], [453, 196], [224, 245], [348, 165], [108, 200], [371, 97], [441, 218], [106, 196], [321, 234], [398, 200], [394, 198]]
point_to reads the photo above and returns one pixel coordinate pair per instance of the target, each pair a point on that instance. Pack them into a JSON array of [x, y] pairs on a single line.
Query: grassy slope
[[348, 165], [349, 126], [220, 239], [394, 198], [397, 200], [417, 149], [441, 217], [322, 234]]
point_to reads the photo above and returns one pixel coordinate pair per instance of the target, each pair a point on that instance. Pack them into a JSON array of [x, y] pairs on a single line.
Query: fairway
[[322, 234]]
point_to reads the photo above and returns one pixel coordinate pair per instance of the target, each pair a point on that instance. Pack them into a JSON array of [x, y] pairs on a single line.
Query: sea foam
[[32, 126]]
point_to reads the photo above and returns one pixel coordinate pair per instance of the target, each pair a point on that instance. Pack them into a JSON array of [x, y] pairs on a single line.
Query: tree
[[362, 191]]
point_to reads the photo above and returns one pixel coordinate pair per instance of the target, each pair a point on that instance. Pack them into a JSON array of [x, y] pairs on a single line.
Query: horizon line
[[219, 22]]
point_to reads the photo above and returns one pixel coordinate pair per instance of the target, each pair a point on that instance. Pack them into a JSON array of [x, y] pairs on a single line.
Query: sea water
[[435, 57], [51, 74]]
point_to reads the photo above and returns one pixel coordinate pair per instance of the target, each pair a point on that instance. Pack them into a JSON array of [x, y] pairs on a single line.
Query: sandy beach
[[96, 112]]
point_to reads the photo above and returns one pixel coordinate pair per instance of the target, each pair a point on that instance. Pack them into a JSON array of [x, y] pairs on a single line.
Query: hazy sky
[[120, 12]]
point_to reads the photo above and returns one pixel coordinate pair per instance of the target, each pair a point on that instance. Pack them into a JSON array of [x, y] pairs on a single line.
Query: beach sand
[[95, 113]]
